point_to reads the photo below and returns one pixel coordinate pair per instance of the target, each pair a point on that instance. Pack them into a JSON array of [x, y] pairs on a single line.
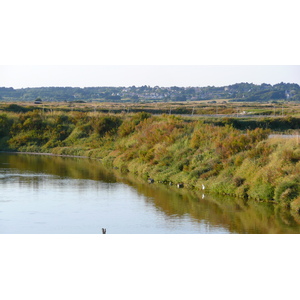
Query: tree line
[[236, 92]]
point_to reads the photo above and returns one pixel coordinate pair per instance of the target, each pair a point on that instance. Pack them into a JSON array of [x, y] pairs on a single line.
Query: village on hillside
[[236, 92]]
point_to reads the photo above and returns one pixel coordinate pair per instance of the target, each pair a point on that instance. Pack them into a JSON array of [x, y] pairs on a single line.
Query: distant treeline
[[236, 92]]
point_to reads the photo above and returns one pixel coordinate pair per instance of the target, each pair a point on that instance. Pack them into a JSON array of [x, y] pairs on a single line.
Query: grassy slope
[[168, 149]]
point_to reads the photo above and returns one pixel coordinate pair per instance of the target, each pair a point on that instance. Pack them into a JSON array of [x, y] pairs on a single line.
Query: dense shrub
[[290, 155], [106, 124], [5, 124], [150, 132], [261, 191], [129, 125], [16, 108], [29, 121], [202, 135], [63, 119], [25, 139]]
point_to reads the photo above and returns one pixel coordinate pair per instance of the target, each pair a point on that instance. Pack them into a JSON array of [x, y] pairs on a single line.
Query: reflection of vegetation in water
[[78, 168], [234, 214]]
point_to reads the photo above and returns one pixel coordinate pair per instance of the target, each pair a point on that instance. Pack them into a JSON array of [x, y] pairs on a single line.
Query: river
[[50, 194]]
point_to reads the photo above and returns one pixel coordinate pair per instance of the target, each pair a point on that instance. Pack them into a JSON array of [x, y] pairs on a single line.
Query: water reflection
[[233, 214], [79, 195]]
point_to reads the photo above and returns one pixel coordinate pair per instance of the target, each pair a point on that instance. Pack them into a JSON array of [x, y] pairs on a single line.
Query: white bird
[[203, 187]]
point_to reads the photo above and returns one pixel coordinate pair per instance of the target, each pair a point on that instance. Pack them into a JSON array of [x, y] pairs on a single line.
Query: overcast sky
[[87, 76]]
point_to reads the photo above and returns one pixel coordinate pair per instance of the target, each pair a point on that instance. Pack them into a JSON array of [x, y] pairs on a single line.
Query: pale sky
[[133, 42], [161, 75]]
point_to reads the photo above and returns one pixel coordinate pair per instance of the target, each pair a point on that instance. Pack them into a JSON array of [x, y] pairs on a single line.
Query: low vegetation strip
[[221, 155]]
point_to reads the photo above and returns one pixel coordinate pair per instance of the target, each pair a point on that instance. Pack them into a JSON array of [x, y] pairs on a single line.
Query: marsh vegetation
[[228, 155]]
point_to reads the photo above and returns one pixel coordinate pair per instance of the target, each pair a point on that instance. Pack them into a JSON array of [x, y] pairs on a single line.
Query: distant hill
[[235, 92]]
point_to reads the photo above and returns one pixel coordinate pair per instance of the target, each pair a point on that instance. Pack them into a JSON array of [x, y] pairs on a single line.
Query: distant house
[[38, 101]]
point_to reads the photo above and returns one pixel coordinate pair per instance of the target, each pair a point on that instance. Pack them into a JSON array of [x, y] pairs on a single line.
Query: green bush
[[106, 124], [290, 155], [16, 108], [261, 191], [25, 139], [129, 125], [5, 124]]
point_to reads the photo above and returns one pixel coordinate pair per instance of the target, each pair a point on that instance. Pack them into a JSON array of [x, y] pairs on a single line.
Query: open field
[[210, 107]]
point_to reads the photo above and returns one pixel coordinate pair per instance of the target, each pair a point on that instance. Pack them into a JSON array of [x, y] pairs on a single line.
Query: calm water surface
[[46, 194]]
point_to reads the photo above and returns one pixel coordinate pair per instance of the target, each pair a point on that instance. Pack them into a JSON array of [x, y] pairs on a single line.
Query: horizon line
[[118, 86]]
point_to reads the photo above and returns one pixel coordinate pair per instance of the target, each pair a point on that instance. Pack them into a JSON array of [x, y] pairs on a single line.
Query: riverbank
[[42, 153], [192, 153]]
